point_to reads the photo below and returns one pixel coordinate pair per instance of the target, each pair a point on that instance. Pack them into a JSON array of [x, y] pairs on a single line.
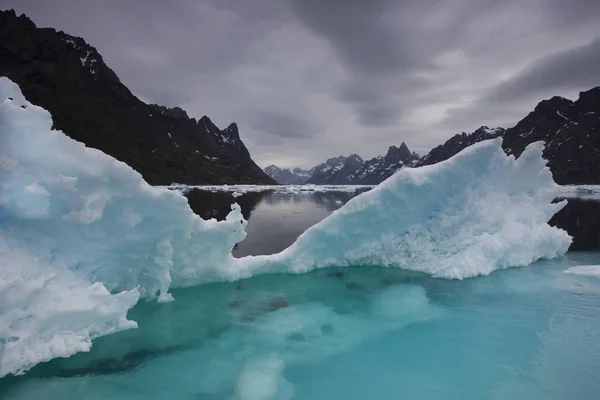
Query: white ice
[[470, 215], [83, 236], [585, 270]]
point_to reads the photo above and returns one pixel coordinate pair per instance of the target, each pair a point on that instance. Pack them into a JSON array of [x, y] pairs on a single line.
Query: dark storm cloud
[[283, 126], [309, 79], [358, 31], [573, 68]]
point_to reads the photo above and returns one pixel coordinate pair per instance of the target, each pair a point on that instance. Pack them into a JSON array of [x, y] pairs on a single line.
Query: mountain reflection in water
[[275, 220]]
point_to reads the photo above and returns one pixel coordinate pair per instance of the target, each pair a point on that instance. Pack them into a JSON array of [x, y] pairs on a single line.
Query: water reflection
[[218, 204], [277, 219], [581, 219]]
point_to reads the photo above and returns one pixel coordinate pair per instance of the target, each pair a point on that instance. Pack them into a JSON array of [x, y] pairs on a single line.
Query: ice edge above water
[[83, 236]]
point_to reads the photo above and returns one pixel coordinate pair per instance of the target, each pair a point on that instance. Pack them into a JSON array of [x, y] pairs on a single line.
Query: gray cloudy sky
[[310, 79]]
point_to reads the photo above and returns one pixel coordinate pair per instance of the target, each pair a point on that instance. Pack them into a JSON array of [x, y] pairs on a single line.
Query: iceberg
[[83, 237], [470, 215]]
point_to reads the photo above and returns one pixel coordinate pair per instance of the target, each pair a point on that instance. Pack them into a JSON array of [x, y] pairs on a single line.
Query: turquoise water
[[355, 333]]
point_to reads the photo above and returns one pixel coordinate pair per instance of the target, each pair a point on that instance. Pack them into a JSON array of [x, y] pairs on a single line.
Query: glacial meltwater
[[348, 333]]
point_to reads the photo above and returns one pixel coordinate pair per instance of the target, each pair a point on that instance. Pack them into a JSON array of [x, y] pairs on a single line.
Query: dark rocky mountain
[[457, 143], [351, 170], [69, 78], [337, 171], [378, 169], [286, 176], [571, 130]]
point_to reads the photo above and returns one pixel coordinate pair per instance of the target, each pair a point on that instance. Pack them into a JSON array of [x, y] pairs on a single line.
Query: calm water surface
[[276, 220]]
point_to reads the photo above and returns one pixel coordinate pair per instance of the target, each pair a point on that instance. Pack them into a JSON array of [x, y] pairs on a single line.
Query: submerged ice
[[83, 236]]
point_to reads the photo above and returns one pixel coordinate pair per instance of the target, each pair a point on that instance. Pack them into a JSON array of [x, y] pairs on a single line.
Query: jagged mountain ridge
[[378, 169], [286, 176], [350, 170], [68, 77], [570, 129], [457, 143]]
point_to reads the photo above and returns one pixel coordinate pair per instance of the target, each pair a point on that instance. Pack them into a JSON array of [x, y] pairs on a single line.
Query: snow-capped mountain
[[68, 77], [380, 168], [457, 143], [286, 176], [351, 170], [337, 171]]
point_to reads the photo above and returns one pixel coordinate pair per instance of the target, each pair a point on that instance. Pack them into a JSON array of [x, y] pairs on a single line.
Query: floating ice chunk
[[585, 270], [470, 215]]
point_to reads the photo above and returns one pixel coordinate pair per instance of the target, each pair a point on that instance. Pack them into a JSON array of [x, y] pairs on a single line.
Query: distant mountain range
[[351, 170], [286, 176], [457, 143], [570, 129], [67, 77]]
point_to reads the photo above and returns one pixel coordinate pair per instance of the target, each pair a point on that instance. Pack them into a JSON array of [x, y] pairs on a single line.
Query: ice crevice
[[83, 237]]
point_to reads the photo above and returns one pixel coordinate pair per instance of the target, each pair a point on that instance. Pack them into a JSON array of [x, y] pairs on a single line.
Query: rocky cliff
[[68, 77]]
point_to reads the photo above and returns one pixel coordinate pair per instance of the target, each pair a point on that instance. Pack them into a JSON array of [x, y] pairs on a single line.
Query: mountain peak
[[335, 160], [68, 77], [355, 158], [22, 19], [175, 112], [590, 98], [397, 154], [457, 143], [232, 130], [553, 104], [285, 176]]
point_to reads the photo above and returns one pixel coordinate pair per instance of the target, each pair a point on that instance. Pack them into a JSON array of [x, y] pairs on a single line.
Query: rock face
[[457, 143], [337, 171], [351, 170], [286, 176], [380, 168], [571, 131], [67, 77]]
